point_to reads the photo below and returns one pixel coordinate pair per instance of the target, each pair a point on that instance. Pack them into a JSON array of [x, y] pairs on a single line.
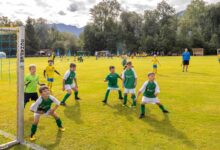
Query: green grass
[[193, 99]]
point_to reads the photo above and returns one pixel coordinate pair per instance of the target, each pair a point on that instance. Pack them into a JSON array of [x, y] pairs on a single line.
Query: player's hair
[[42, 88], [150, 73], [72, 65], [50, 60], [32, 66], [111, 67], [129, 63]]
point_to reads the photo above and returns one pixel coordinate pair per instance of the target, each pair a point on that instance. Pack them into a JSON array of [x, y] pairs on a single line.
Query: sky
[[74, 12]]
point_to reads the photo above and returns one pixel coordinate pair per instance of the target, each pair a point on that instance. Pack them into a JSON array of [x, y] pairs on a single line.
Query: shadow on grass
[[57, 141], [165, 127], [74, 113]]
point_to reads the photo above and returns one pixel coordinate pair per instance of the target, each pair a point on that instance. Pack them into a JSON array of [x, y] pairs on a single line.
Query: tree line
[[161, 29]]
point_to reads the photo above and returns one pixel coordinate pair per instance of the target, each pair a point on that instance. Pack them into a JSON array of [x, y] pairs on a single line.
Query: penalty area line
[[25, 143]]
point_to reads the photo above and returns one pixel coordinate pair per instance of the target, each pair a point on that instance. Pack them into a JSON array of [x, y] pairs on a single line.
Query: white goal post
[[20, 32]]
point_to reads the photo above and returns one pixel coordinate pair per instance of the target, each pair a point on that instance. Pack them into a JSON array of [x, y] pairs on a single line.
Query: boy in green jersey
[[129, 78], [124, 61], [150, 90], [112, 79], [31, 81], [70, 83], [43, 107]]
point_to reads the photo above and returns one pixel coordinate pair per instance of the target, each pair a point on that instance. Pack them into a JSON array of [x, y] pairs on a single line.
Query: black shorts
[[186, 62], [28, 96]]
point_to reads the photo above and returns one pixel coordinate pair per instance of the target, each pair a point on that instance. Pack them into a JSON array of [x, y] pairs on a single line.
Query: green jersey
[[69, 76], [149, 89], [31, 82], [112, 80], [129, 76], [44, 104]]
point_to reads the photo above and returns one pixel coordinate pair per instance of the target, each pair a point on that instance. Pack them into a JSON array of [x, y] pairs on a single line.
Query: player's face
[[73, 68], [151, 77], [112, 70], [186, 50], [45, 93], [51, 63], [129, 66], [33, 70]]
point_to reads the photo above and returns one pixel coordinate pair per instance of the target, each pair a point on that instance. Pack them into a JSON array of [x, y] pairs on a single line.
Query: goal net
[[12, 49]]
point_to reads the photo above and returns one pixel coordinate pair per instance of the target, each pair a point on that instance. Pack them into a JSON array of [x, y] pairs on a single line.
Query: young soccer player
[[124, 61], [69, 84], [112, 79], [43, 107], [129, 78], [49, 73], [150, 90], [31, 81], [155, 62]]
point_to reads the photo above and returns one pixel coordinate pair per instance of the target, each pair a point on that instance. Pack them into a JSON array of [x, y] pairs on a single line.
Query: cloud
[[76, 6], [62, 13], [41, 3]]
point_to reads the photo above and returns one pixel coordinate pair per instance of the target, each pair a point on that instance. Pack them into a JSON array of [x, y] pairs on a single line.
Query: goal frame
[[20, 32]]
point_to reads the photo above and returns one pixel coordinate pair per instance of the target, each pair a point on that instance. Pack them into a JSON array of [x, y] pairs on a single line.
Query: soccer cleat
[[121, 98], [133, 105], [141, 116], [165, 111], [32, 138], [104, 101], [77, 98], [62, 129], [63, 104]]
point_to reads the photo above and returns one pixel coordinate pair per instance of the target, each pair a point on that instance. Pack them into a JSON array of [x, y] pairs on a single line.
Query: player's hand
[[51, 111], [63, 89]]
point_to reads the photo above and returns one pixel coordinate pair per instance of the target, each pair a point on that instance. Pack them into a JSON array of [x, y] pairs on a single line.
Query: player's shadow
[[165, 127], [73, 112], [124, 111], [57, 140]]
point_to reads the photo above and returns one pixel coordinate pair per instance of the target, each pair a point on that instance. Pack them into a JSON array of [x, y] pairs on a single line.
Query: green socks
[[134, 101], [142, 109], [76, 94], [162, 107], [120, 94], [33, 129], [106, 95], [59, 123], [125, 99], [65, 98]]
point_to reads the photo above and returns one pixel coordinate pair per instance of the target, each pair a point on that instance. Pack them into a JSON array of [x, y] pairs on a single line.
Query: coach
[[186, 59]]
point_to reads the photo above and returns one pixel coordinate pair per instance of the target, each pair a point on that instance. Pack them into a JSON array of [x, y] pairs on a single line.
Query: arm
[[135, 75], [142, 89], [35, 105], [57, 72], [157, 90], [44, 73], [52, 110], [76, 82], [63, 84], [65, 78], [123, 78]]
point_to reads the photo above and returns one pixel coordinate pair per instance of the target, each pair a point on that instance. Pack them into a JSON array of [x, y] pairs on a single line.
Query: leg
[[162, 107], [133, 99], [142, 110], [58, 121], [69, 92], [125, 98], [34, 126], [186, 68], [106, 96], [120, 94], [75, 89], [26, 98]]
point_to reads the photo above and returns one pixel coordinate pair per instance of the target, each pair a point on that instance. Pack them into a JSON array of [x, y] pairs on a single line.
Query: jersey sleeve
[[66, 75], [135, 75], [123, 75], [35, 105], [107, 78], [118, 76], [143, 88], [56, 101], [157, 90]]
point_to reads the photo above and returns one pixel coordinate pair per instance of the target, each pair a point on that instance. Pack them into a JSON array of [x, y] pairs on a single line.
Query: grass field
[[192, 98]]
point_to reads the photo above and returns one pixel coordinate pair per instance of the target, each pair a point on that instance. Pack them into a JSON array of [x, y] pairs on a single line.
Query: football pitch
[[192, 98]]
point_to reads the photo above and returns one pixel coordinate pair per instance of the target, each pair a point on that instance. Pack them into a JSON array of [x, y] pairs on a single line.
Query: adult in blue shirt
[[186, 59]]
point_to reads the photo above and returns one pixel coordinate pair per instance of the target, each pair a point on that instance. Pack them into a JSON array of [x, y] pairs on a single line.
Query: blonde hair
[[32, 66]]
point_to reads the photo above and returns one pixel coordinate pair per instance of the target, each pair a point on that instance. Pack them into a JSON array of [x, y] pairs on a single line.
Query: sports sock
[[65, 97], [142, 109], [120, 94], [125, 99], [134, 101], [76, 94], [162, 107], [59, 123], [106, 95], [33, 129]]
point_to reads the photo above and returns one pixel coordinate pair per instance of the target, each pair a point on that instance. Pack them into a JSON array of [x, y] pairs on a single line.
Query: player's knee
[[69, 92]]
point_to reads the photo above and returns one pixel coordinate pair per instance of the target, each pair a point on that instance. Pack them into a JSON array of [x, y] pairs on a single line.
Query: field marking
[[25, 143]]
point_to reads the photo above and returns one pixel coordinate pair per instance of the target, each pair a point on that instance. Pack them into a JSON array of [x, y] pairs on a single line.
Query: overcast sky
[[74, 12]]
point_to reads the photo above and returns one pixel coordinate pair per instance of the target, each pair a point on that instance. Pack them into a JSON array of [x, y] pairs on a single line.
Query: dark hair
[[42, 88], [151, 73], [129, 63], [50, 60], [111, 67], [72, 65]]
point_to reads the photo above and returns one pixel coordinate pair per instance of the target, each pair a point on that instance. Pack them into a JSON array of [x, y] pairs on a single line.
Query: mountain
[[68, 28]]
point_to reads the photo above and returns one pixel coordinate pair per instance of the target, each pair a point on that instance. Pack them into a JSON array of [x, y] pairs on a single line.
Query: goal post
[[20, 32]]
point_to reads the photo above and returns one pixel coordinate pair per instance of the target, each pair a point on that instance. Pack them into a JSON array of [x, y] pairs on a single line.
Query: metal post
[[20, 83]]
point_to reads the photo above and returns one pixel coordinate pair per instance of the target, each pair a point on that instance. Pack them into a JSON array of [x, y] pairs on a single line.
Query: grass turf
[[192, 98]]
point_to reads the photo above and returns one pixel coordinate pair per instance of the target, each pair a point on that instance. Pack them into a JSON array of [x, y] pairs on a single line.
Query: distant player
[[124, 61], [155, 62], [186, 59], [150, 90], [43, 107], [49, 73], [70, 83], [112, 80], [31, 81], [129, 78]]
